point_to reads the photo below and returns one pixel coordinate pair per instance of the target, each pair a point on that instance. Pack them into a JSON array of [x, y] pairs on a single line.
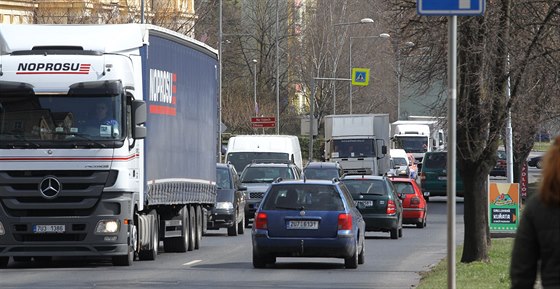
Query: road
[[225, 262]]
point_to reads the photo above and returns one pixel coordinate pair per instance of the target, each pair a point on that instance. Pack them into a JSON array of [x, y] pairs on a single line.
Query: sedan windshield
[[266, 174]]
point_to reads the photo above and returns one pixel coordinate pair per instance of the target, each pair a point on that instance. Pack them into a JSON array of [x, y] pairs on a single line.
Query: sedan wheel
[[352, 262]]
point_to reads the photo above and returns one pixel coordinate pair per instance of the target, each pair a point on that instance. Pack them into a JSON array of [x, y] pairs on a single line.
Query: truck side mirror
[[139, 117], [384, 150]]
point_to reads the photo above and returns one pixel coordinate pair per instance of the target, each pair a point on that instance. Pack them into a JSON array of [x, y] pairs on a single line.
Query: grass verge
[[476, 275]]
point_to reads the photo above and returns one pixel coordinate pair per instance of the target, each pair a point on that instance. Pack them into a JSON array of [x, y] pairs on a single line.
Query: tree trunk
[[477, 234]]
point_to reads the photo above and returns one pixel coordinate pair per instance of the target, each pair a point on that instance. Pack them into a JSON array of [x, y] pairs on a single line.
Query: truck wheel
[[4, 262], [126, 260], [192, 228], [198, 227], [179, 244], [151, 253], [204, 221]]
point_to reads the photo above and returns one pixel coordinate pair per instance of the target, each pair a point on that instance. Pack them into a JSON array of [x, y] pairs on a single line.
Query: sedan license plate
[[45, 229], [302, 225], [366, 203], [442, 178]]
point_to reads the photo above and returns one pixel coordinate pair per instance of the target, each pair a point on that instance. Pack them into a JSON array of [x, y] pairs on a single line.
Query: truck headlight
[[224, 205], [2, 231], [107, 227]]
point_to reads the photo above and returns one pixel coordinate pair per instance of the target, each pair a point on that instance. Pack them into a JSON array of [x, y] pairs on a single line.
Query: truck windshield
[[54, 120], [241, 159], [412, 144], [353, 148]]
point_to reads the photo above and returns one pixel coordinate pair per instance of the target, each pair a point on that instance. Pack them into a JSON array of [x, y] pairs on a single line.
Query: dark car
[[500, 169], [257, 177], [433, 176], [229, 209], [535, 161], [308, 218], [323, 170], [415, 207], [378, 202]]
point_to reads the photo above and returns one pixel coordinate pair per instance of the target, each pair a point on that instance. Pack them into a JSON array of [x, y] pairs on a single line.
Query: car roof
[[222, 165], [401, 180], [305, 182], [322, 165], [268, 165], [357, 177]]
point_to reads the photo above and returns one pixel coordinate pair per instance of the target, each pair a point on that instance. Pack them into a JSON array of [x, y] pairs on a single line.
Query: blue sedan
[[307, 218]]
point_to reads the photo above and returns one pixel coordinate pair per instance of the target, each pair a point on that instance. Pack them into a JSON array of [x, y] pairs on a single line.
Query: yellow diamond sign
[[360, 76]]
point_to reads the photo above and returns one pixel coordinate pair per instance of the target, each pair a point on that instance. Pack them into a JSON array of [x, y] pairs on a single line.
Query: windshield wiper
[[82, 136], [25, 143]]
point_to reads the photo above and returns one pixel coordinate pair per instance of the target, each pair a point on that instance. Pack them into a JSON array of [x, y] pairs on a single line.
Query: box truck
[[75, 185], [358, 142]]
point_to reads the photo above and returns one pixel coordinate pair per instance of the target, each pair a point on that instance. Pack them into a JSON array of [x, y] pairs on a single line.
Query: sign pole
[[452, 150]]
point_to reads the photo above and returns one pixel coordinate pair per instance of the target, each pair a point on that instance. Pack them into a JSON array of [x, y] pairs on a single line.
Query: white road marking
[[192, 262]]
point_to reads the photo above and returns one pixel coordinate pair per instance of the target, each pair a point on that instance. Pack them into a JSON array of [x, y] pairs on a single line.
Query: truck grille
[[75, 193]]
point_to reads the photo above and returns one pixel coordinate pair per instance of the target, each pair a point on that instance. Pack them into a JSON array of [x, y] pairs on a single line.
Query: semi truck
[[418, 136], [358, 142], [71, 185]]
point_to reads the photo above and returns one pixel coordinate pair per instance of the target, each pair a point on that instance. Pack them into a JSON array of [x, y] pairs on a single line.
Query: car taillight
[[261, 221], [414, 202], [344, 221], [391, 207]]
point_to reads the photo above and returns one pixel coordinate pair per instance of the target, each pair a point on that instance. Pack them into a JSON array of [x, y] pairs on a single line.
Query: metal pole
[[509, 134], [220, 38], [334, 98], [398, 81], [451, 150], [277, 76], [142, 12], [350, 61], [255, 85], [311, 113]]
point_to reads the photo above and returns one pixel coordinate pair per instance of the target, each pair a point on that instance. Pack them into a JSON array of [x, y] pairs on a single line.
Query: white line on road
[[192, 262]]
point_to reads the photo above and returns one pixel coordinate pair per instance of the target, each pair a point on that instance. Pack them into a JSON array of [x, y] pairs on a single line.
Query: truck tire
[[150, 254], [179, 244], [126, 260], [198, 227], [192, 228], [4, 262]]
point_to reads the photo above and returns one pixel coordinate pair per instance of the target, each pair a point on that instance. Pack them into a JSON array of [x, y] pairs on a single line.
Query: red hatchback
[[415, 207]]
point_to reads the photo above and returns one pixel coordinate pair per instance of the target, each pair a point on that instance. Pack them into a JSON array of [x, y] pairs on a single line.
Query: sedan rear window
[[404, 187], [359, 187], [303, 197]]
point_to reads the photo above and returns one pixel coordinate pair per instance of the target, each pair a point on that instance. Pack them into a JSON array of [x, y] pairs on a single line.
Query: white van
[[244, 149], [400, 161]]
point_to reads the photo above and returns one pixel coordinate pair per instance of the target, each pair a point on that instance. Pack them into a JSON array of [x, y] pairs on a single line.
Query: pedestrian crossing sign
[[360, 76]]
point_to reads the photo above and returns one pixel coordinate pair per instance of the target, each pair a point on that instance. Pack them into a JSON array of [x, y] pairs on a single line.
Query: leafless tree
[[523, 30]]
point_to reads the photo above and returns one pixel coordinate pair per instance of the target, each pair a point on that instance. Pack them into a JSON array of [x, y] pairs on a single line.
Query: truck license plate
[[44, 229], [303, 225]]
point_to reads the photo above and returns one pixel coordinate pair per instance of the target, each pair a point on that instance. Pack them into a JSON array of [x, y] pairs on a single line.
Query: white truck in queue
[[358, 142], [106, 137], [418, 136]]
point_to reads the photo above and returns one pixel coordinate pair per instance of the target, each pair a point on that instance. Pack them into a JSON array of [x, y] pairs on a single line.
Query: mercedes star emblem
[[49, 187]]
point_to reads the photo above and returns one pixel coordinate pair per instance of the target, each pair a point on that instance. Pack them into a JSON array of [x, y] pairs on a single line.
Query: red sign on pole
[[262, 122]]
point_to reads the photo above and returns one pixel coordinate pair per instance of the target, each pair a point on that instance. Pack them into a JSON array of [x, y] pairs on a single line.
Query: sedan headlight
[[224, 205], [2, 231], [107, 227]]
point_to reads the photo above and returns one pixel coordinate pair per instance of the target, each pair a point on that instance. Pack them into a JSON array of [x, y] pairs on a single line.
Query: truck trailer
[[358, 142], [74, 185]]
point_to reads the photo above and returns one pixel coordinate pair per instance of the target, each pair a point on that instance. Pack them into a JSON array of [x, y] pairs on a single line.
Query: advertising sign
[[503, 207]]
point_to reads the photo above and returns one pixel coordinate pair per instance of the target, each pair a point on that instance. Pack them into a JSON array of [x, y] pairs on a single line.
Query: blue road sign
[[451, 7]]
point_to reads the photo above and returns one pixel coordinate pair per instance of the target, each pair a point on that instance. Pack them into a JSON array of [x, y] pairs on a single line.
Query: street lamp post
[[362, 21], [399, 76], [382, 35], [255, 85]]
